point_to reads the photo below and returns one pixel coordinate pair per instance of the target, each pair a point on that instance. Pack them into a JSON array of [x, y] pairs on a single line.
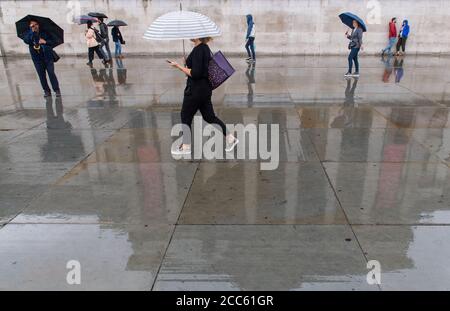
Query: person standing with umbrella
[[41, 50], [117, 36], [356, 42]]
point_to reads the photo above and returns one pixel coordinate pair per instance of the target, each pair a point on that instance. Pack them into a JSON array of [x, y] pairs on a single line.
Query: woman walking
[[92, 43], [197, 95], [118, 41], [250, 40], [354, 46], [402, 37]]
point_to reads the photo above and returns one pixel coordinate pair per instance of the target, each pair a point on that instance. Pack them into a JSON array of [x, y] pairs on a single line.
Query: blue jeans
[[250, 47], [118, 48], [390, 45], [353, 57]]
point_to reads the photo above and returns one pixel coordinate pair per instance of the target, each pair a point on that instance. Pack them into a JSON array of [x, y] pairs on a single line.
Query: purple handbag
[[219, 70]]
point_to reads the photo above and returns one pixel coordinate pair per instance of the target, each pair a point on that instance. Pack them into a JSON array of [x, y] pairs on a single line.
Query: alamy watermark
[[254, 142]]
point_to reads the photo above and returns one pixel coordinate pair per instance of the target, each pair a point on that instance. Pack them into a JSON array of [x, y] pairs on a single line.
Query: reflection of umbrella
[[97, 14], [45, 24], [347, 18], [83, 19], [117, 22], [180, 25]]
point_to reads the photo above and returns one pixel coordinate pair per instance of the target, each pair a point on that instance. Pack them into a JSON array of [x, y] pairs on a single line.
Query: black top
[[116, 34], [198, 62]]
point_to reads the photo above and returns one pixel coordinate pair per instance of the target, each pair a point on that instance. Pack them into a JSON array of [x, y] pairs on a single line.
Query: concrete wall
[[283, 26]]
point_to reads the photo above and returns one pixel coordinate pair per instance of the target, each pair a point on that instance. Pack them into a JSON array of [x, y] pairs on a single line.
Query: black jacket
[[198, 62]]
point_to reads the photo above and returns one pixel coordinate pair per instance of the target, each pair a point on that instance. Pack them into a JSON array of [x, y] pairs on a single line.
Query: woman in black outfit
[[197, 95]]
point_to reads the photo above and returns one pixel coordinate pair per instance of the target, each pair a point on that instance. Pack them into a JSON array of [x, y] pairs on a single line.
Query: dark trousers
[[106, 45], [44, 67], [401, 43], [198, 100], [95, 49], [353, 58], [250, 47]]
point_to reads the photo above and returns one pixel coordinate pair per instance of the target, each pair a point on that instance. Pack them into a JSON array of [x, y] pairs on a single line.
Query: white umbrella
[[182, 25]]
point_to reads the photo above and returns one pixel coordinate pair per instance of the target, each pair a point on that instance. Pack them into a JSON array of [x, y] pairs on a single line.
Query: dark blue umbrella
[[347, 18]]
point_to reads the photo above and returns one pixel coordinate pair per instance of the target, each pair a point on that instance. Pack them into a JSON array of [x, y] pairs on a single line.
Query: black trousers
[[198, 98], [95, 49], [401, 43]]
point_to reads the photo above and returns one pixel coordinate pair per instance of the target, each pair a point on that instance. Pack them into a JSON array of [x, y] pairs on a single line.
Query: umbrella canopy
[[348, 18], [182, 25], [117, 22], [45, 24], [97, 14], [83, 19]]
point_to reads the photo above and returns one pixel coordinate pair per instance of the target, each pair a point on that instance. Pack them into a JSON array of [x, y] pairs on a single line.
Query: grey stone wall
[[283, 26]]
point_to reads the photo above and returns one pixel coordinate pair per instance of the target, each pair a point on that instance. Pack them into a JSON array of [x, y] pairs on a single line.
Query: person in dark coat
[[118, 41], [104, 33], [41, 51], [197, 95]]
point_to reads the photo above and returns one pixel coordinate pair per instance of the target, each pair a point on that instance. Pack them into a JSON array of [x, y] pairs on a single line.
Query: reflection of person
[[56, 121], [355, 45], [121, 72], [250, 39], [197, 95], [92, 43], [118, 41], [41, 51], [250, 73], [387, 68], [350, 92], [402, 37], [57, 149], [392, 36], [398, 65]]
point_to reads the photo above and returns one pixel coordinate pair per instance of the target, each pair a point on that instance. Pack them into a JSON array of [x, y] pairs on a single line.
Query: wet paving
[[363, 174]]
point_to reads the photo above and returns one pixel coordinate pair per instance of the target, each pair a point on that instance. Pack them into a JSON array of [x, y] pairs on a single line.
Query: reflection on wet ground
[[364, 174]]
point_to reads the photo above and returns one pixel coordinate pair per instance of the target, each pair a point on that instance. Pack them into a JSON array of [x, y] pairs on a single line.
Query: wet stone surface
[[363, 173]]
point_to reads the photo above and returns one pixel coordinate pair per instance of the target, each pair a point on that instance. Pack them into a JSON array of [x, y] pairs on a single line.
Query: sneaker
[[58, 93], [356, 74], [348, 74], [230, 146], [89, 63], [180, 151], [47, 94], [248, 58]]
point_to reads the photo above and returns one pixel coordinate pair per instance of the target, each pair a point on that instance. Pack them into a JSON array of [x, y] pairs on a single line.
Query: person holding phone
[[41, 51], [354, 46], [197, 95]]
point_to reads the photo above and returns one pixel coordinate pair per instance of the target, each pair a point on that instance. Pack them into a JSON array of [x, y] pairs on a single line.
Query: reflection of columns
[[333, 144], [250, 173], [291, 180]]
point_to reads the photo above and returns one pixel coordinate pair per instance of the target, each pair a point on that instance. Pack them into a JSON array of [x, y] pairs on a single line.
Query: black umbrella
[[46, 25], [97, 14], [117, 22]]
